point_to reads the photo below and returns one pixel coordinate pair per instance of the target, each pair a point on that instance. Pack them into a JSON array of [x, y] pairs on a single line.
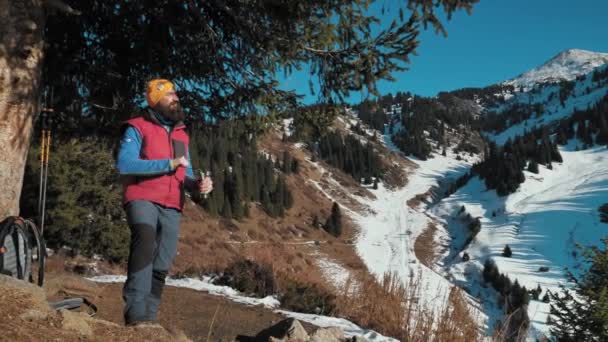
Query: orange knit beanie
[[156, 89]]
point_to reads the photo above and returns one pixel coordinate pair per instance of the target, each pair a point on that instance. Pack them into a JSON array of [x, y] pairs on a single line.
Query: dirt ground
[[184, 314], [194, 313]]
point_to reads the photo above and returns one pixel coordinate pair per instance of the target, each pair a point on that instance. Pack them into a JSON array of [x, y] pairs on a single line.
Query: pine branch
[[62, 6]]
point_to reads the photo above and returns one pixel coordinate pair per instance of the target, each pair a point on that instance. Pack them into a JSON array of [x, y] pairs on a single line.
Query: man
[[154, 162]]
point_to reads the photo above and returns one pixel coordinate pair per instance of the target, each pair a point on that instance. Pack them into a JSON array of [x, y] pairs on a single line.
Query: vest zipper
[[172, 156]]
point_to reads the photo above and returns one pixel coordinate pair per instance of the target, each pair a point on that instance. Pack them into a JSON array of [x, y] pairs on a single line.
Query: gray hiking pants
[[154, 234]]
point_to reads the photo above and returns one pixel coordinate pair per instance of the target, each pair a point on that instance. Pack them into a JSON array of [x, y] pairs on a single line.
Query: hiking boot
[[143, 324]]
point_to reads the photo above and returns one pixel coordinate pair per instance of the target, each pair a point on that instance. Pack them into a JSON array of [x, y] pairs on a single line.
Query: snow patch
[[288, 128], [336, 273], [203, 284]]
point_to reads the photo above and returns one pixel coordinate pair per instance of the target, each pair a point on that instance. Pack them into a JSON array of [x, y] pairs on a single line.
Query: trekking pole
[[203, 175], [44, 165], [46, 175], [42, 149]]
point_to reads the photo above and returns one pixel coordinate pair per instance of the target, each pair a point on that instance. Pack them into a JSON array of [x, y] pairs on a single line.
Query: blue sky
[[499, 40]]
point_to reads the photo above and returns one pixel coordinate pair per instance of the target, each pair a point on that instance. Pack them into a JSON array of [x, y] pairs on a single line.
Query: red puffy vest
[[167, 189]]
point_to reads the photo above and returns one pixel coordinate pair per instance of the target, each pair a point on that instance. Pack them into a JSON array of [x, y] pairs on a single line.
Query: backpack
[[20, 246]]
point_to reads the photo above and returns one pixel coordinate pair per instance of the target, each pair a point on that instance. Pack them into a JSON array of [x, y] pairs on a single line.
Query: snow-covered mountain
[[542, 221], [566, 66], [549, 103]]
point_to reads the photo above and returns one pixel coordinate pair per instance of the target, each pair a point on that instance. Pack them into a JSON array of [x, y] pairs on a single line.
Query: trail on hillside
[[387, 235]]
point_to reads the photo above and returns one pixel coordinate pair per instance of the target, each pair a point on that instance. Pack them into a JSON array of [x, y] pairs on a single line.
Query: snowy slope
[[388, 232], [585, 93], [566, 66], [541, 222], [388, 227]]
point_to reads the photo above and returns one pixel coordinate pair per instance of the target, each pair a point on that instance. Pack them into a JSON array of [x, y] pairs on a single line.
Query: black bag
[[20, 246]]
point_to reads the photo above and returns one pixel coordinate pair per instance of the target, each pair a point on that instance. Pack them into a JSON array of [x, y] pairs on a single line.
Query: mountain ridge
[[565, 66]]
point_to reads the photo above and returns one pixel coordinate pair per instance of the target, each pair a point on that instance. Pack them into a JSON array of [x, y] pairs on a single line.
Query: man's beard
[[173, 112]]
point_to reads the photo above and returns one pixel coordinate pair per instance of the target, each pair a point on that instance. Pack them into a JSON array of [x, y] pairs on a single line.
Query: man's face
[[170, 107], [169, 101]]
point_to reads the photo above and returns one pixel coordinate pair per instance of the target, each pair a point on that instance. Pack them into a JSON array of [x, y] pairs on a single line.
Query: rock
[[76, 321], [34, 316], [63, 286], [358, 339], [332, 334], [32, 297], [287, 330]]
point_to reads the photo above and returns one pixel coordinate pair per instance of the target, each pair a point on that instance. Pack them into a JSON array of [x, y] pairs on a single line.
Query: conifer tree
[[287, 197], [315, 221], [584, 316], [602, 137], [287, 163], [246, 209], [506, 252], [227, 208], [211, 205], [334, 221], [489, 270], [278, 198], [295, 166], [536, 292], [533, 166], [604, 213], [465, 257], [96, 54], [265, 199]]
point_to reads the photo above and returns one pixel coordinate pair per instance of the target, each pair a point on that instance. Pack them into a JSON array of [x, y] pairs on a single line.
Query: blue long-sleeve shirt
[[130, 164]]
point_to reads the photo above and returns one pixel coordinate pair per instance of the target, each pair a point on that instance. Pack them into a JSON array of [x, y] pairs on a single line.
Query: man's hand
[[205, 185], [177, 162]]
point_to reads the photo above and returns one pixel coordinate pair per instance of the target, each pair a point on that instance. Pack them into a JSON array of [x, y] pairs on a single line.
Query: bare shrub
[[250, 277]]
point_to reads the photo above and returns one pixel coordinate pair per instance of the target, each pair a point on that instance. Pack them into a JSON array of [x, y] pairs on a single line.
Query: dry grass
[[457, 322], [31, 319], [284, 260], [395, 310], [415, 201], [514, 327], [425, 246]]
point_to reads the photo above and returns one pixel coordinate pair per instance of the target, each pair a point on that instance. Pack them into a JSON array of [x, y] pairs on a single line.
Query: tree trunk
[[21, 53]]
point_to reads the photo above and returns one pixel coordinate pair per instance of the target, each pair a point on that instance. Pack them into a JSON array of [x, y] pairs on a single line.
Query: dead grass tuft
[[425, 246], [395, 309]]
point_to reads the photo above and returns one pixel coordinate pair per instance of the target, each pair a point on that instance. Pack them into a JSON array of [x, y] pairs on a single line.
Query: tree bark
[[21, 55]]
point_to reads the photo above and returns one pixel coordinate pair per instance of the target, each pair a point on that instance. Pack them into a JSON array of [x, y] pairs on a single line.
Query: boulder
[[287, 330], [332, 334]]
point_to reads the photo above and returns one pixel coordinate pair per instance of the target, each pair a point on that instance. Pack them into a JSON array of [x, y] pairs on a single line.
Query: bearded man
[[154, 163]]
